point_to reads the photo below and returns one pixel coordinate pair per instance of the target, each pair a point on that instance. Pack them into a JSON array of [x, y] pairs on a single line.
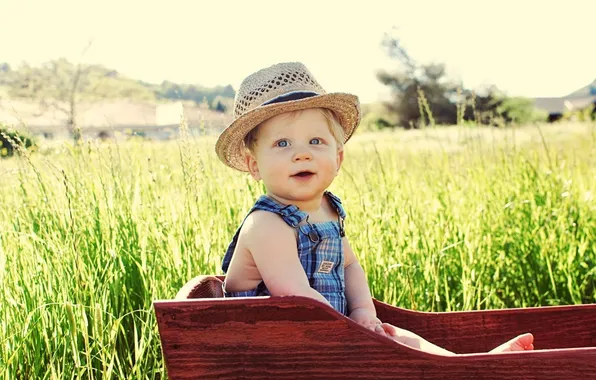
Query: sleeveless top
[[320, 250]]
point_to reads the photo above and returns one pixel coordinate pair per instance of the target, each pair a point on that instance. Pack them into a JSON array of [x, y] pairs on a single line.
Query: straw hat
[[277, 89]]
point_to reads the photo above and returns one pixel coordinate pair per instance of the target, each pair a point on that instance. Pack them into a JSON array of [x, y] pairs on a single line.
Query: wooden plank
[[300, 338], [468, 332]]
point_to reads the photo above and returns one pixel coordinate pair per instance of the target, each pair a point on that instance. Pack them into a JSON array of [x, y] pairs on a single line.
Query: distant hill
[[117, 86], [589, 90]]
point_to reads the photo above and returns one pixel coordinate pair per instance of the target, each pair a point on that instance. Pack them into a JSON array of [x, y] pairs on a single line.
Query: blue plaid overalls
[[319, 247]]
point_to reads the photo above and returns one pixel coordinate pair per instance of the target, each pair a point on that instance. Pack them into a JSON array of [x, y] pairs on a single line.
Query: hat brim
[[230, 144]]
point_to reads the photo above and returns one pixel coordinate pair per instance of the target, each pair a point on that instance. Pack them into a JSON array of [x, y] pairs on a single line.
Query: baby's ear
[[340, 157], [253, 168]]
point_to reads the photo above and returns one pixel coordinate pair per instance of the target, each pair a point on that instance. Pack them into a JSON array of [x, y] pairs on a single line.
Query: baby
[[289, 133]]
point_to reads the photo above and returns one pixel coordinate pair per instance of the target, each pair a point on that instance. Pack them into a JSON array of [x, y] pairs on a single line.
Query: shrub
[[10, 140], [585, 114], [520, 110]]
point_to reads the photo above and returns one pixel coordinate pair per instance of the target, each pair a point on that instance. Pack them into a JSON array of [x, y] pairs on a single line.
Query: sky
[[525, 47]]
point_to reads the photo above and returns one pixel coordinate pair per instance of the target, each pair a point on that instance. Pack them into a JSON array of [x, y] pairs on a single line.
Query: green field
[[442, 219]]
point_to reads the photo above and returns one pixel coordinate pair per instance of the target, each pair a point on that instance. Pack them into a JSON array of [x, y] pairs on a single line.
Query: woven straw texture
[[267, 84]]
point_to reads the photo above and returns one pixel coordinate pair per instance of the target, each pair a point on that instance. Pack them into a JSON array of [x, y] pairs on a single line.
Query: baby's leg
[[520, 343], [410, 339]]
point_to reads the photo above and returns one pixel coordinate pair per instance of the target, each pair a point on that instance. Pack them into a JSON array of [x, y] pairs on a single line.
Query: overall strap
[[336, 203], [290, 214]]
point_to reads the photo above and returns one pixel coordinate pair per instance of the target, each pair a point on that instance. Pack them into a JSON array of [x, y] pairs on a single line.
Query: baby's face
[[296, 156]]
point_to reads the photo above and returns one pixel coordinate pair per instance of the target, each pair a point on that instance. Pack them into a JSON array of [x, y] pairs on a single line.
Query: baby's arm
[[360, 306], [362, 309], [272, 244]]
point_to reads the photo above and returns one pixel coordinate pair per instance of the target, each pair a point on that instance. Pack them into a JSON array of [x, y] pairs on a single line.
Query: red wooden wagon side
[[204, 335]]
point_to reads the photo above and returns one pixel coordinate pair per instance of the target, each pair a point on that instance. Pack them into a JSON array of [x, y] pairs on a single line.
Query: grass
[[442, 219]]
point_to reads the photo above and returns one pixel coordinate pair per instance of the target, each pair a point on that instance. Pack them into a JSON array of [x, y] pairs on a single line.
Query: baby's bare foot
[[522, 342]]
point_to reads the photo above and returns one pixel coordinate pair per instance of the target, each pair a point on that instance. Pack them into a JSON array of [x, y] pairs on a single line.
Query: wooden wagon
[[207, 336]]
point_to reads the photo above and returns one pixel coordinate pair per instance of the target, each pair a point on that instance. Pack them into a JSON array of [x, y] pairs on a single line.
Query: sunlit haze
[[529, 48]]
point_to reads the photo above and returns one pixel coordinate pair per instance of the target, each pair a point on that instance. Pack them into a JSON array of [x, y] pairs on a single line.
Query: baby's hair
[[250, 140]]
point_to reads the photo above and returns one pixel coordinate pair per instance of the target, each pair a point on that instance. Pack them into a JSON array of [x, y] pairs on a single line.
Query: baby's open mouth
[[303, 174]]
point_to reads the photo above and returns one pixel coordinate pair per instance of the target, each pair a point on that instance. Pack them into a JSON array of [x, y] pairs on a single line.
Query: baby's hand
[[367, 319]]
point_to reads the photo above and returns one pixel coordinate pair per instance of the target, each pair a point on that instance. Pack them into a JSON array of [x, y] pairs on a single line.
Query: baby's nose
[[302, 155]]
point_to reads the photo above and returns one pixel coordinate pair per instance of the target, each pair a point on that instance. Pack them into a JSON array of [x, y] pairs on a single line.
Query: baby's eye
[[282, 143], [315, 141]]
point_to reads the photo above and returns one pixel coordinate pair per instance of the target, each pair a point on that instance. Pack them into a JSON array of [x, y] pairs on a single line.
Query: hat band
[[294, 95]]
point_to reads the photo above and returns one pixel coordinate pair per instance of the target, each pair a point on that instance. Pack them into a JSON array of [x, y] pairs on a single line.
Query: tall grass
[[441, 219]]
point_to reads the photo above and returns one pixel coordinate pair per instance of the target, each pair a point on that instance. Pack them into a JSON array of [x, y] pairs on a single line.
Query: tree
[[222, 104], [220, 107], [64, 86], [423, 94], [55, 84], [228, 92], [5, 73], [204, 104], [199, 94], [421, 91]]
